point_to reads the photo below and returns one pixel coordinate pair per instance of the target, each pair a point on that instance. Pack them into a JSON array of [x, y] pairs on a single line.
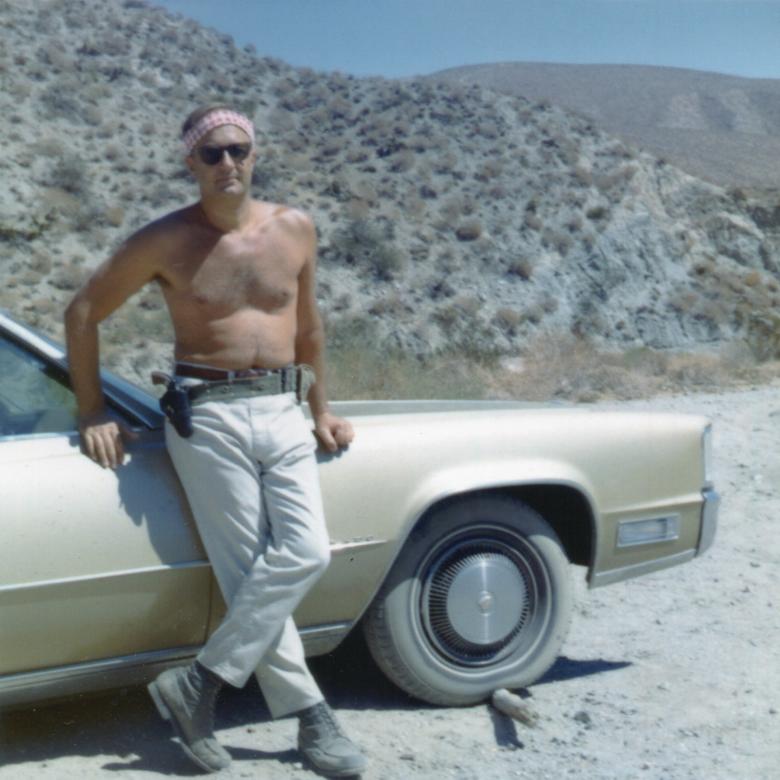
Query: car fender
[[492, 474]]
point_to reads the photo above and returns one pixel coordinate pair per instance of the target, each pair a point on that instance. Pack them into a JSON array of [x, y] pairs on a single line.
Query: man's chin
[[230, 187]]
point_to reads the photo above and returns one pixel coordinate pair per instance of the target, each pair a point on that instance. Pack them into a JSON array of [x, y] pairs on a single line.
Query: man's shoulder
[[288, 217], [167, 227]]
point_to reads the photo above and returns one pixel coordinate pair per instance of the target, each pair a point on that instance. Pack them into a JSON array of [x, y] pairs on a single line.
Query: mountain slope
[[722, 128], [450, 217]]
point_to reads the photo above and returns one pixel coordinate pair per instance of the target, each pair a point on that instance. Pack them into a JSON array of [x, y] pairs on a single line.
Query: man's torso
[[232, 297]]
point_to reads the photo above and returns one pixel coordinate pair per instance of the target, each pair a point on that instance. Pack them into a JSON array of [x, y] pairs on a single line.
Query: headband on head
[[214, 119]]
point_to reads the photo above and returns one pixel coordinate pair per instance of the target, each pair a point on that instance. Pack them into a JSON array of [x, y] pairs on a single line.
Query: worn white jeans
[[250, 475]]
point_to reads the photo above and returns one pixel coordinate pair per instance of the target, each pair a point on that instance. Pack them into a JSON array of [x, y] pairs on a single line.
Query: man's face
[[228, 174]]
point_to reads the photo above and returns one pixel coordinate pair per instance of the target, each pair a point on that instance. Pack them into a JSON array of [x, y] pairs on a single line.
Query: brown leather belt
[[221, 384], [211, 374]]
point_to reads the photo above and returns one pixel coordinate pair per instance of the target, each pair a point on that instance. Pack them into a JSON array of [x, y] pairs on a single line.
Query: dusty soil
[[668, 677]]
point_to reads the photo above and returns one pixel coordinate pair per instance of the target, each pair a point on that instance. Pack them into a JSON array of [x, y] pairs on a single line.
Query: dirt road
[[674, 676]]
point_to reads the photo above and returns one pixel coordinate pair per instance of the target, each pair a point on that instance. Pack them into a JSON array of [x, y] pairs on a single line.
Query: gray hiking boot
[[186, 697], [326, 747]]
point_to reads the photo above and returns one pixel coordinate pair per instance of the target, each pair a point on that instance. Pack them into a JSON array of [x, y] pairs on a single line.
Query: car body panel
[[89, 553], [109, 563]]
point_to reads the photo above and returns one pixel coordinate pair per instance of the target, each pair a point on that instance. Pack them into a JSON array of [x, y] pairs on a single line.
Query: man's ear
[[188, 161]]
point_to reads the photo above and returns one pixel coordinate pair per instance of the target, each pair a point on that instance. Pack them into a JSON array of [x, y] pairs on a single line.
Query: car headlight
[[706, 451]]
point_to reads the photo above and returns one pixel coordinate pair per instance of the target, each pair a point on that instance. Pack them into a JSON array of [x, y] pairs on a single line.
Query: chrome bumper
[[709, 519]]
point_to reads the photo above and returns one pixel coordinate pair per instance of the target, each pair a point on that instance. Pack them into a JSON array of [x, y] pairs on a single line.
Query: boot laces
[[322, 718]]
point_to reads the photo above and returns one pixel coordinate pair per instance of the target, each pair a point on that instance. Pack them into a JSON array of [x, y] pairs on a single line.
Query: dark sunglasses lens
[[210, 155], [238, 152]]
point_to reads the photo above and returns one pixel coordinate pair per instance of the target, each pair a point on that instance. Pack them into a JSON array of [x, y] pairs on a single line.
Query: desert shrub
[[350, 331], [68, 277], [114, 215], [583, 175], [68, 174], [465, 329], [388, 305], [49, 146], [92, 115], [402, 162], [488, 170], [534, 313], [356, 155], [684, 301], [465, 307], [112, 151], [468, 231], [508, 320], [452, 208], [445, 163], [30, 278], [557, 239], [561, 365], [40, 262], [59, 102], [763, 335], [597, 213], [533, 220], [20, 90], [365, 370], [619, 177], [367, 244], [521, 267], [647, 360], [497, 191], [357, 209]]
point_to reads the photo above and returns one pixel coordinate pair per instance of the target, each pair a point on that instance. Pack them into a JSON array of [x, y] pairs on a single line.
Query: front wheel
[[478, 599]]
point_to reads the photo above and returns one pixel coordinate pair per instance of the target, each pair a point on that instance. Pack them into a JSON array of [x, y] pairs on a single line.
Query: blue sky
[[410, 37]]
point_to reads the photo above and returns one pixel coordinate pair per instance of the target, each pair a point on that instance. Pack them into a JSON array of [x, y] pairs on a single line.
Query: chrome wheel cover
[[482, 597]]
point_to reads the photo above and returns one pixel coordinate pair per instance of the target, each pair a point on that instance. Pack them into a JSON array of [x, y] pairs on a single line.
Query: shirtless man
[[238, 278]]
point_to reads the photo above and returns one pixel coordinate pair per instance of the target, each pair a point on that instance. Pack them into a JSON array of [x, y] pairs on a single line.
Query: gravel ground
[[668, 677]]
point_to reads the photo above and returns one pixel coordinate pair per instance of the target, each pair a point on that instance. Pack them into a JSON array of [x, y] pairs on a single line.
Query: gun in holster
[[175, 403]]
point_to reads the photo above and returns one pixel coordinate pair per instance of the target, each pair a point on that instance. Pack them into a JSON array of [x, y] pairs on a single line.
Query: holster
[[176, 406]]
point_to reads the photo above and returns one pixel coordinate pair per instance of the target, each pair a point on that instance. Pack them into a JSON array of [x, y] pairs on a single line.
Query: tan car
[[452, 525]]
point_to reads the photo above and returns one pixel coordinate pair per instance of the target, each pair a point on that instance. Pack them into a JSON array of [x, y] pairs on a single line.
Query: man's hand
[[102, 440], [333, 432]]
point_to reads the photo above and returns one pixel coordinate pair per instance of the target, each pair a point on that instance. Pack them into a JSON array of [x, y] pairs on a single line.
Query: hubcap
[[485, 597], [477, 597]]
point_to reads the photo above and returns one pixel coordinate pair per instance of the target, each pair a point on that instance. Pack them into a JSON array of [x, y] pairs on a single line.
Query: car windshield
[[34, 395]]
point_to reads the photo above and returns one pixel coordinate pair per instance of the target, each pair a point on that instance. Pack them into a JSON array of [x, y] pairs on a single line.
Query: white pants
[[250, 475]]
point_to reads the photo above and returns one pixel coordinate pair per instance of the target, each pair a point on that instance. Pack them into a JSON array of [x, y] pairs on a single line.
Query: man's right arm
[[132, 266]]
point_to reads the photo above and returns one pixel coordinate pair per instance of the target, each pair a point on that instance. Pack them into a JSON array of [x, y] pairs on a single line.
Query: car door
[[94, 563]]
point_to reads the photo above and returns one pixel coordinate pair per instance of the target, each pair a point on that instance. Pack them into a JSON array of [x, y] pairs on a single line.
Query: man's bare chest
[[261, 273]]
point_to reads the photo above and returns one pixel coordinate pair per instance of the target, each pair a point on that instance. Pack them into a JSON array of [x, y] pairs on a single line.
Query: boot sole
[[325, 772], [167, 715]]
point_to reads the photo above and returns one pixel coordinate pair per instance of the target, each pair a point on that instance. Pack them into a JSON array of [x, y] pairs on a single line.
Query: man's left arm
[[332, 431]]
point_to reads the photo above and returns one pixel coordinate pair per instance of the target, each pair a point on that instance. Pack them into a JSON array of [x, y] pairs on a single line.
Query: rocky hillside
[[725, 129], [450, 216]]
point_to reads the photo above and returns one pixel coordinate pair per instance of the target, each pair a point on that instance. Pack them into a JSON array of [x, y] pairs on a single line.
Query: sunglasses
[[211, 155]]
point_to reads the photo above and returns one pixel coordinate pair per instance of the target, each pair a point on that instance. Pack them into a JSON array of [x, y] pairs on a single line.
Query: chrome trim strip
[[104, 575], [337, 548], [46, 435], [709, 519], [136, 669], [23, 333], [318, 640], [327, 629], [637, 569], [102, 674]]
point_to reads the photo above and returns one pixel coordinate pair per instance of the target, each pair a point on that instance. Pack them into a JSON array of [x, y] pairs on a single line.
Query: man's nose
[[226, 160]]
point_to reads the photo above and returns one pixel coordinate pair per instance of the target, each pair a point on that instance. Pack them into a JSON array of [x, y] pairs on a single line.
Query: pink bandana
[[217, 119]]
